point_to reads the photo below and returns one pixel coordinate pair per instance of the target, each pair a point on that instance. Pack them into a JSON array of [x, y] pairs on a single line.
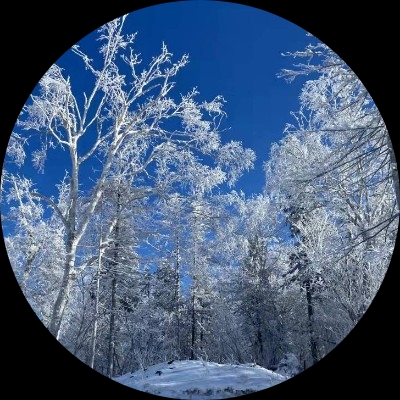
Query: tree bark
[[96, 313], [114, 265], [193, 336], [111, 344], [177, 299], [63, 294], [310, 312]]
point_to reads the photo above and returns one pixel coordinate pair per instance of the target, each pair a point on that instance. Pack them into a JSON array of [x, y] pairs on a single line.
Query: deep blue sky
[[234, 50]]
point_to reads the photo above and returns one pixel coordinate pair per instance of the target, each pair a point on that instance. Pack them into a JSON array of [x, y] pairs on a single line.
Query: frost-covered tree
[[339, 111], [200, 275], [256, 281], [34, 245], [335, 178], [171, 250], [128, 114]]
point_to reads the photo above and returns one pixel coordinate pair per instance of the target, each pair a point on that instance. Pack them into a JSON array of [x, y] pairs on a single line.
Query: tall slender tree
[[122, 113]]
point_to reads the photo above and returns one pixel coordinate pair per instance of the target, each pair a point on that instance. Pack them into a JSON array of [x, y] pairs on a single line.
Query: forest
[[144, 252]]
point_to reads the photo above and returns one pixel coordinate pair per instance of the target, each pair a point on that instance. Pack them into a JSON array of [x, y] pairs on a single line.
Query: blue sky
[[234, 51]]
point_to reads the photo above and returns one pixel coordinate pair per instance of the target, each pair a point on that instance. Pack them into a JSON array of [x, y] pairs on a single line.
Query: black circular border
[[35, 36]]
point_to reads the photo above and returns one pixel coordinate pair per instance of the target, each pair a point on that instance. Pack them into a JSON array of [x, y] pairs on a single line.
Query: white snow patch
[[197, 380]]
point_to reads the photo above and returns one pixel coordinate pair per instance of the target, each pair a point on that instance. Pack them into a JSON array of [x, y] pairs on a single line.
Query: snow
[[190, 379]]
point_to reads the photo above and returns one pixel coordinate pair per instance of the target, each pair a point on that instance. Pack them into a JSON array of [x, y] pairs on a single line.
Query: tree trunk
[[111, 344], [63, 294], [114, 265], [96, 314], [310, 311], [193, 338], [28, 265], [177, 301]]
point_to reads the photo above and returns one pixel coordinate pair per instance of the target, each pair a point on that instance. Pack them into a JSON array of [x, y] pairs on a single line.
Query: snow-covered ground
[[201, 380]]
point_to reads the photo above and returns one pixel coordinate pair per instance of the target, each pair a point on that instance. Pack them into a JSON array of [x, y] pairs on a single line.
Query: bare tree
[[124, 115]]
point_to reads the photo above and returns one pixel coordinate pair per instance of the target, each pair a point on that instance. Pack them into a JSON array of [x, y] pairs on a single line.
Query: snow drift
[[201, 380]]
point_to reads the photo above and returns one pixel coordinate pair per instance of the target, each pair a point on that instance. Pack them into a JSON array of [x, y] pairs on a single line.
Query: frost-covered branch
[[52, 205]]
